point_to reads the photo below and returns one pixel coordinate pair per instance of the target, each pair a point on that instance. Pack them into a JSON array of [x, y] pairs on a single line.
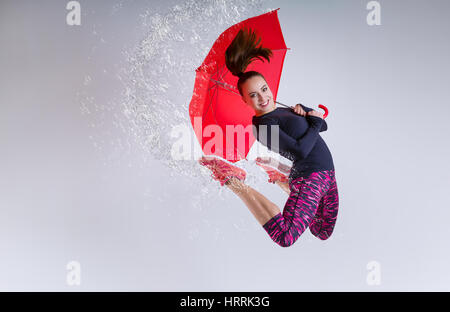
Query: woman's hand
[[315, 113], [274, 163], [298, 109]]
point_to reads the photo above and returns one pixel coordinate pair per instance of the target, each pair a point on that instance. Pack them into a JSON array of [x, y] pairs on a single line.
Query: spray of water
[[159, 80], [158, 77]]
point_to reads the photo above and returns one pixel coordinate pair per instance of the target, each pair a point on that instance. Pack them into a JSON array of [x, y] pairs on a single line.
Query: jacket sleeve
[[324, 124], [287, 145]]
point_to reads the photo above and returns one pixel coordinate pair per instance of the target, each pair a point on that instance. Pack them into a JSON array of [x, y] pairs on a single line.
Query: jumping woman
[[313, 195]]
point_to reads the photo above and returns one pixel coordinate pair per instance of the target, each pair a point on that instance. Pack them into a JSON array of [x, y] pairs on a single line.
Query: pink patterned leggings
[[313, 202]]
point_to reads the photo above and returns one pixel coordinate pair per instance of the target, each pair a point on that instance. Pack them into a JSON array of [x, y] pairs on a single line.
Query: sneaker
[[274, 174], [221, 170]]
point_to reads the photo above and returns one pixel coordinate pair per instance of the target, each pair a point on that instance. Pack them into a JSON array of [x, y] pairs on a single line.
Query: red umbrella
[[221, 120]]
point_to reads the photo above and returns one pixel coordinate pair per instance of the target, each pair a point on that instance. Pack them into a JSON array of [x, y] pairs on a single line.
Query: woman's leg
[[273, 169], [262, 208], [284, 186], [323, 224], [315, 226], [300, 208]]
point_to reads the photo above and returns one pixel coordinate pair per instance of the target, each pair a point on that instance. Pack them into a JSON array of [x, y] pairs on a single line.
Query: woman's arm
[[288, 146], [308, 109]]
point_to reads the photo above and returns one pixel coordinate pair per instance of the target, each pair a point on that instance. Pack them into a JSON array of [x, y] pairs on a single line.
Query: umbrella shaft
[[282, 104]]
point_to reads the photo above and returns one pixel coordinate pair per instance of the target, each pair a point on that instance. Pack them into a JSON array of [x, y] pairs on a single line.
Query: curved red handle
[[325, 114]]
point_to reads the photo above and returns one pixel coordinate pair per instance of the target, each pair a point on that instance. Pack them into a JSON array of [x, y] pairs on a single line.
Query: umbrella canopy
[[222, 121]]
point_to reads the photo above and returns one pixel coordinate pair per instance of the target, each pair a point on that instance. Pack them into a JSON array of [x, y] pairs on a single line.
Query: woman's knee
[[285, 244], [286, 241], [325, 234]]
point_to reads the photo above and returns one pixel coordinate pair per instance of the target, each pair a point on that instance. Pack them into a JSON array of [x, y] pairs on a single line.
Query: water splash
[[159, 78]]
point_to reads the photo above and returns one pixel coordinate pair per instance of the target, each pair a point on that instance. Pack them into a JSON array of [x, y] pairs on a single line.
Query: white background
[[68, 193]]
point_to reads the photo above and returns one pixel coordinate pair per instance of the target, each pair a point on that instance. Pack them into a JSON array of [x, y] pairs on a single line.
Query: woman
[[313, 195]]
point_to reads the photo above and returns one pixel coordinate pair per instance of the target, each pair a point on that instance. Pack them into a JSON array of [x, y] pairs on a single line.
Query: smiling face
[[257, 94]]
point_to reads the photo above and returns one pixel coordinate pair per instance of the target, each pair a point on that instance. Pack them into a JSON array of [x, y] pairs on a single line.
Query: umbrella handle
[[325, 114]]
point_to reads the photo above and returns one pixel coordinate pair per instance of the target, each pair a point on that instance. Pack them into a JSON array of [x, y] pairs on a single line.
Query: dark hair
[[241, 52]]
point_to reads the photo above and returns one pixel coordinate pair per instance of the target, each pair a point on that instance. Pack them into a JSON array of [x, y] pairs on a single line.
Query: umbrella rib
[[214, 111], [220, 76], [211, 98], [210, 78], [224, 85], [219, 73], [210, 103], [222, 70], [222, 82]]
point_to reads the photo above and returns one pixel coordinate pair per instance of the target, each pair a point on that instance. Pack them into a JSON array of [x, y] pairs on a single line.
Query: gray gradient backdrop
[[64, 196]]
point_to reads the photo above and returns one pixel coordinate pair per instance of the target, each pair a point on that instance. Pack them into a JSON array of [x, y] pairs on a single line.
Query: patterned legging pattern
[[313, 202]]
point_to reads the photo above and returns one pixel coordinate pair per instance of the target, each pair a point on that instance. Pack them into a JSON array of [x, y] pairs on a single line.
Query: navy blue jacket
[[299, 140]]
